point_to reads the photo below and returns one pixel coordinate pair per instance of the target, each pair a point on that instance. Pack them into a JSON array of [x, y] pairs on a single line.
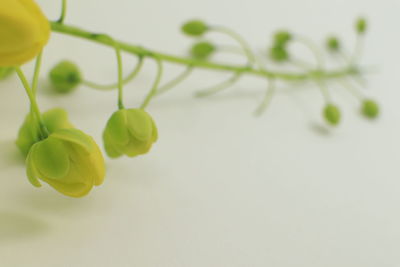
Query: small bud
[[278, 54], [202, 50], [5, 72], [194, 28], [361, 25], [130, 132], [333, 44], [68, 160], [281, 38], [370, 109], [29, 133], [65, 76], [332, 114]]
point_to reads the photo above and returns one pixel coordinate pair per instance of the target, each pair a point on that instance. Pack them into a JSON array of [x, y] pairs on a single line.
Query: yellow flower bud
[[130, 132], [68, 160], [24, 31]]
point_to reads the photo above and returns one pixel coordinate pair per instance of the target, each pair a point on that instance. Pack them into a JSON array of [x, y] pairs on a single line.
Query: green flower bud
[[194, 28], [5, 72], [68, 160], [370, 108], [281, 38], [278, 54], [29, 133], [333, 44], [65, 76], [130, 132], [332, 114], [202, 50], [361, 25]]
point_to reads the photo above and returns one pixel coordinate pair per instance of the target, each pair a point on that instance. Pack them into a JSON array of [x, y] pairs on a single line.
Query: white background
[[220, 188]]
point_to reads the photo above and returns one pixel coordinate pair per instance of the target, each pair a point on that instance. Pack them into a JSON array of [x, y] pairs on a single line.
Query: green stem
[[120, 77], [358, 49], [63, 11], [313, 48], [353, 90], [241, 41], [219, 87], [34, 106], [324, 90], [174, 82], [126, 80], [267, 98], [154, 88], [139, 50], [36, 73]]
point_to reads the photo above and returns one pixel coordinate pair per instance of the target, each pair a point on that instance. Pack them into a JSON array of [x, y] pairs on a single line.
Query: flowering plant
[[71, 162]]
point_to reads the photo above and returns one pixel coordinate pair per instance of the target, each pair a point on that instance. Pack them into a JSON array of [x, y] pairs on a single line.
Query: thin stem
[[357, 49], [324, 90], [219, 87], [267, 99], [36, 73], [241, 41], [34, 106], [120, 77], [313, 48], [126, 80], [139, 50], [353, 90], [154, 88], [174, 82], [63, 11]]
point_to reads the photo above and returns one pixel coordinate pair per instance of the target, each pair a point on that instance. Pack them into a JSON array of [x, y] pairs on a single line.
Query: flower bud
[[281, 38], [333, 44], [202, 50], [24, 31], [29, 133], [65, 76], [370, 109], [130, 132], [68, 160], [194, 28], [332, 114], [5, 72], [361, 25], [278, 53]]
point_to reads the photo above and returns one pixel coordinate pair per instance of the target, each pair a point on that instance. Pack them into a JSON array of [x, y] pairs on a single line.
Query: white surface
[[220, 188]]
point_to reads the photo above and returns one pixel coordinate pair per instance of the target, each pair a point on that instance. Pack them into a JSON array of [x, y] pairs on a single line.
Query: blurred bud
[[24, 31], [65, 76], [361, 25], [278, 54], [29, 133], [130, 132], [202, 50], [5, 72], [370, 108], [333, 44], [68, 160], [281, 38], [332, 114], [194, 28]]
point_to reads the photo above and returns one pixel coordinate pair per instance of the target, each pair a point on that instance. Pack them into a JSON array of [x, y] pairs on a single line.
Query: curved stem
[[219, 87], [36, 73], [63, 11], [120, 77], [313, 48], [34, 106], [126, 80], [267, 98], [180, 78], [242, 42], [324, 90], [154, 88], [139, 50]]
